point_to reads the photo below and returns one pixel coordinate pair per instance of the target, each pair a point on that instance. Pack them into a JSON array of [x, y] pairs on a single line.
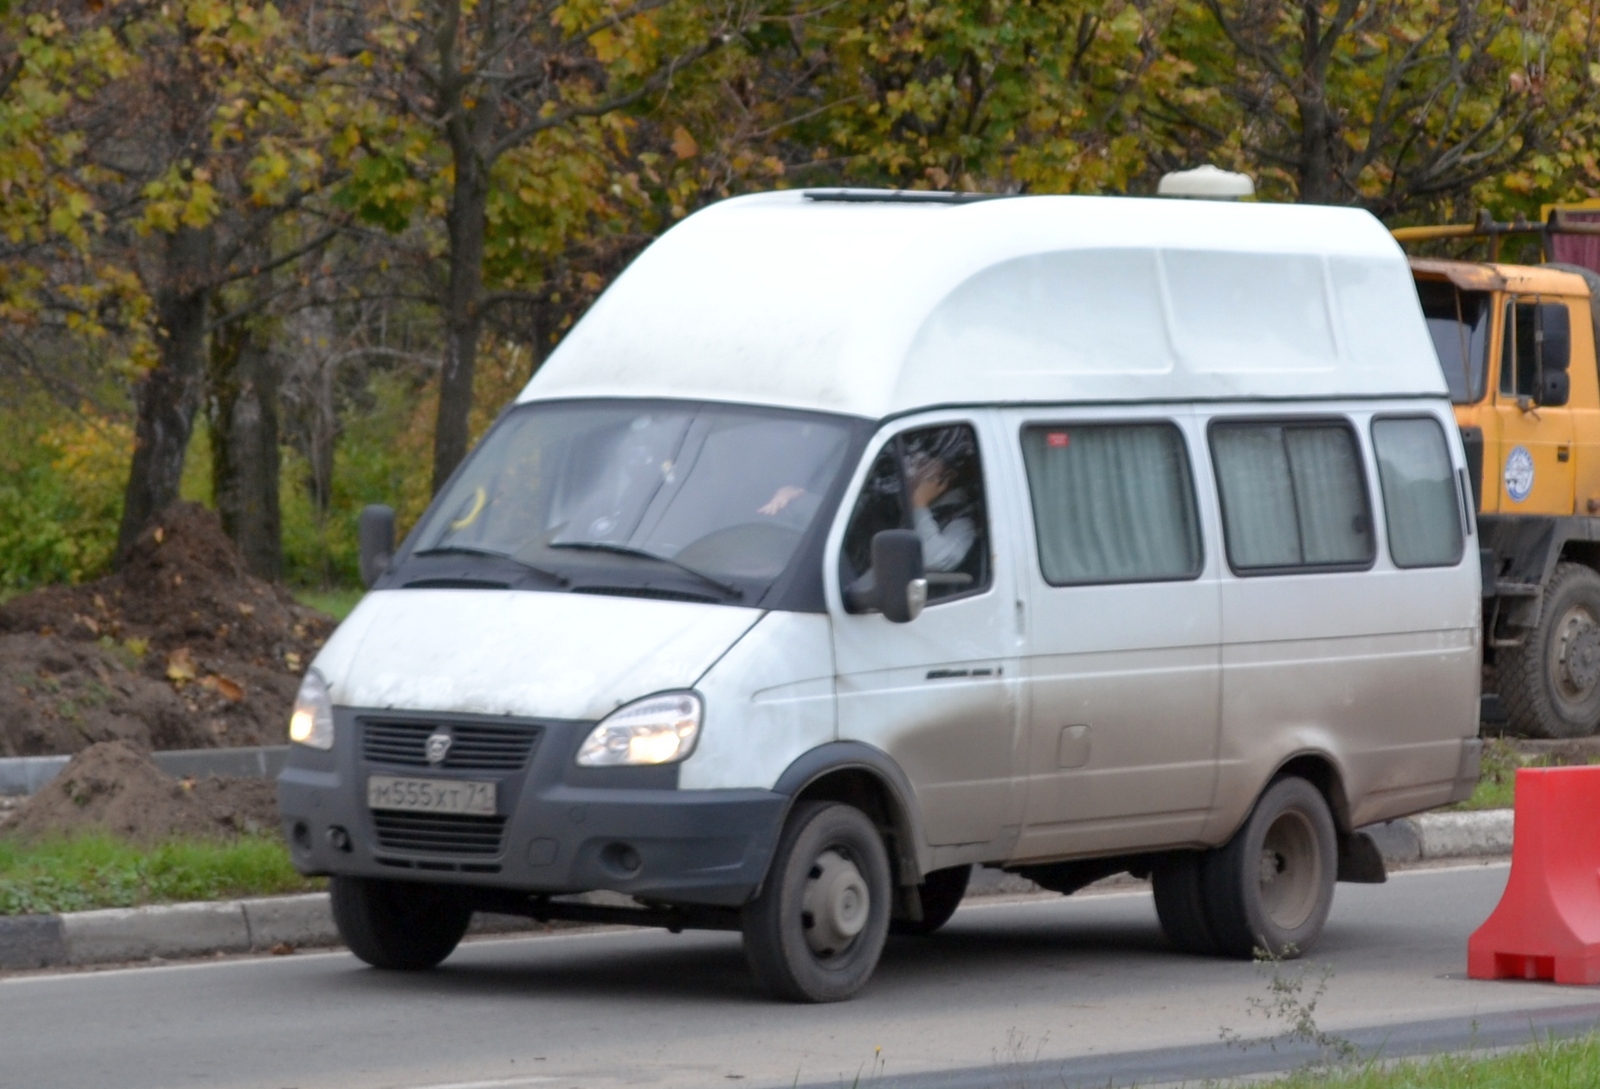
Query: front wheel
[[1550, 685], [399, 925], [1271, 885], [817, 929]]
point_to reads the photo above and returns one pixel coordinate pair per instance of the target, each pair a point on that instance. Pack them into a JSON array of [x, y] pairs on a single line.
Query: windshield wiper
[[629, 550], [464, 550]]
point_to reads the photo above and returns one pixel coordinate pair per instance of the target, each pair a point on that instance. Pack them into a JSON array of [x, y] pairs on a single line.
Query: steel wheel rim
[[1575, 665], [835, 904], [1291, 870]]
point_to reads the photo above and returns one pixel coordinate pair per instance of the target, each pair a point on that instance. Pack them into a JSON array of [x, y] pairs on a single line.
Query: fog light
[[621, 859], [339, 839]]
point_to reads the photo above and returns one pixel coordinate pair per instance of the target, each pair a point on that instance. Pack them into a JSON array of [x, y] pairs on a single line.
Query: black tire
[[1550, 685], [398, 925], [1180, 904], [817, 929], [941, 892], [1271, 885]]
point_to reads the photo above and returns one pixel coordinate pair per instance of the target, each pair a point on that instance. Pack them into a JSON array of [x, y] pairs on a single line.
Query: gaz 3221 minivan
[[853, 539]]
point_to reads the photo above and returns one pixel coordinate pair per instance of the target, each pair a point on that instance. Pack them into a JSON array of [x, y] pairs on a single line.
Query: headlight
[[655, 730], [312, 721]]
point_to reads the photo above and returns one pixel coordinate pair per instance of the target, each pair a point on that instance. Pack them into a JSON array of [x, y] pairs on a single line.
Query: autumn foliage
[[289, 258]]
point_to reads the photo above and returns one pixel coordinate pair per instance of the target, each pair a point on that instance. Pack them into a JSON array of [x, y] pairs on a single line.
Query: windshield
[[1459, 323], [710, 499]]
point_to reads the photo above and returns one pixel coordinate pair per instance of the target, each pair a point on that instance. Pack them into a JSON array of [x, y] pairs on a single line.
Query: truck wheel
[[815, 932], [398, 925], [1271, 885], [1180, 904], [1550, 685], [941, 892]]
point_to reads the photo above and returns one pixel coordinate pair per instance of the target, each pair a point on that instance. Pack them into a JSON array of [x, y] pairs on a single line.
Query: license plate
[[430, 795]]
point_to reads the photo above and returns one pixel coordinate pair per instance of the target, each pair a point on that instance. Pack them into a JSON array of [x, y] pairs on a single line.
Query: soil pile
[[115, 787], [181, 649]]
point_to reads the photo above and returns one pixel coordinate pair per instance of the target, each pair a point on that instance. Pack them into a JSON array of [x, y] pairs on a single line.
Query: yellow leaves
[[683, 144], [229, 689], [180, 667]]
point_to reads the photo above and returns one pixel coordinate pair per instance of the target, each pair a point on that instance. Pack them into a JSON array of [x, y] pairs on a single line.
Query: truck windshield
[[710, 499], [1459, 323]]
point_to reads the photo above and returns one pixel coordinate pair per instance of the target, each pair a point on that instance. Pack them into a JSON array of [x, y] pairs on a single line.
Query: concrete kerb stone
[[24, 775], [296, 921], [306, 921], [1465, 835], [32, 941], [166, 930]]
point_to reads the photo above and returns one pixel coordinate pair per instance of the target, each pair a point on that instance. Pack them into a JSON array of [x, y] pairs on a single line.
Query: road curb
[[24, 775], [284, 923]]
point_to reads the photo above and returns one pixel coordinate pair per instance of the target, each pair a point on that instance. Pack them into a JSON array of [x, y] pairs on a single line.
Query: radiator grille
[[473, 747], [438, 833]]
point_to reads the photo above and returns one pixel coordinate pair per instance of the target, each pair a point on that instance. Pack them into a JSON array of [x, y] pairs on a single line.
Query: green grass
[[337, 603], [98, 871], [1497, 780], [1562, 1064]]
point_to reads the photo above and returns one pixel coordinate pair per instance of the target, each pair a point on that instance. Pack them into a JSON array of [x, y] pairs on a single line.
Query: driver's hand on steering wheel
[[780, 499]]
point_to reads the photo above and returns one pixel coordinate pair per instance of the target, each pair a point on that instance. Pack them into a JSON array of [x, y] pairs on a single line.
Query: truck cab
[[1517, 347]]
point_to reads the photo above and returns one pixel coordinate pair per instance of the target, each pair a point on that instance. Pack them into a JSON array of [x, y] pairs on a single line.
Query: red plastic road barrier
[[1547, 925]]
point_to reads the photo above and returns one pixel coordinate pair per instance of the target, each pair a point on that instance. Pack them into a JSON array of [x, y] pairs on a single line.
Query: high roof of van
[[844, 302]]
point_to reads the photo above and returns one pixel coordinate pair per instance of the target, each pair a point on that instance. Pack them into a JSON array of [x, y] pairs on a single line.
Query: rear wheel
[[398, 925], [818, 928], [941, 892], [1550, 685], [1271, 885]]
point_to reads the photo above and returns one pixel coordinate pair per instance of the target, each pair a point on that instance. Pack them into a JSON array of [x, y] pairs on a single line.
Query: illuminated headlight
[[312, 721], [655, 730]]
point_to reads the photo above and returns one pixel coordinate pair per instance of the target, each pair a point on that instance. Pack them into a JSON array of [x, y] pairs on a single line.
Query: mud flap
[[1360, 861]]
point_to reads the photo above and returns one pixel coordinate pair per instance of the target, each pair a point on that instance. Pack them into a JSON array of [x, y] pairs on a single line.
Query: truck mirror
[[897, 569], [1555, 338], [1554, 389], [897, 585], [375, 532]]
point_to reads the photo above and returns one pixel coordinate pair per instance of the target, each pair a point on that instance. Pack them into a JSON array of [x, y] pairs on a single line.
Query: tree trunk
[[1317, 122], [463, 313], [244, 445], [170, 393]]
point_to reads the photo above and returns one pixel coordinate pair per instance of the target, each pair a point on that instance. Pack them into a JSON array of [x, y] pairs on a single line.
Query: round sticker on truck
[[1519, 473]]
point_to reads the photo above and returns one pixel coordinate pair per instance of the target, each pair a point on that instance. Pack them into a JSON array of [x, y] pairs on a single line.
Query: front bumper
[[565, 829]]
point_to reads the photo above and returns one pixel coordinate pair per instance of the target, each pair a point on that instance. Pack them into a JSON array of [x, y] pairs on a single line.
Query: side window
[[1292, 495], [1420, 502], [929, 480], [1519, 372], [1112, 503]]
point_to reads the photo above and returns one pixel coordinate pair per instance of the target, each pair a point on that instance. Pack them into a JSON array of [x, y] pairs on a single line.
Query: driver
[[942, 515]]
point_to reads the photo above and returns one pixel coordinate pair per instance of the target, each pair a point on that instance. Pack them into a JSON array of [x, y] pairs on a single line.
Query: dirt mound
[[115, 787], [182, 648]]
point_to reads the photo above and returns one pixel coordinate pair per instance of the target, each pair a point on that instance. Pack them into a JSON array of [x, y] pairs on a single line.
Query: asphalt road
[[1038, 991]]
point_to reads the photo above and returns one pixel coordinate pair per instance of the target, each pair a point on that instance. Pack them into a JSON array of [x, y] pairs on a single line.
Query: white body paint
[[564, 656], [768, 700]]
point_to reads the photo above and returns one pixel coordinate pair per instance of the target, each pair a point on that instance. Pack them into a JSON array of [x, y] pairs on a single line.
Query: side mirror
[[375, 531], [1555, 336], [897, 585]]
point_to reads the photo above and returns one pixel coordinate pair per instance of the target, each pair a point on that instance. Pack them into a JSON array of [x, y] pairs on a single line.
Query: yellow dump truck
[[1518, 347]]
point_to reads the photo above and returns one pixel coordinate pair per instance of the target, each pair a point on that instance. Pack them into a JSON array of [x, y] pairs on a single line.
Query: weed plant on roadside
[[99, 871], [1553, 1064]]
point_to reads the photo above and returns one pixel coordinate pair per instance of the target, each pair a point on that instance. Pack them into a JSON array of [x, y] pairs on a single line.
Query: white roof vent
[[1206, 183]]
